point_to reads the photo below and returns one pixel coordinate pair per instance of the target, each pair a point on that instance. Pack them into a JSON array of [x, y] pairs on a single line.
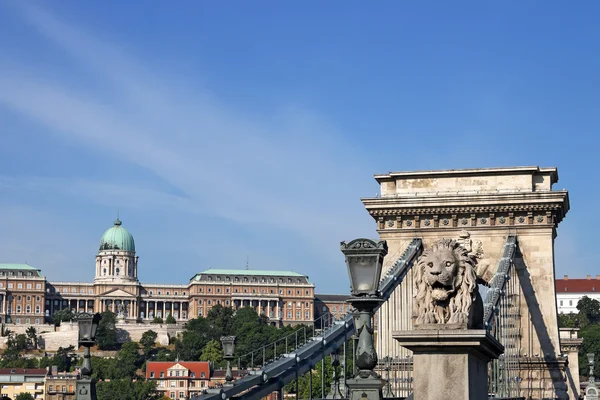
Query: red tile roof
[[568, 285], [196, 367]]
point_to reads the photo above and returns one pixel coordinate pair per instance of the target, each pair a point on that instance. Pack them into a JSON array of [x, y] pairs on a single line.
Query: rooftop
[[22, 371], [21, 267], [197, 367], [249, 272], [472, 171], [332, 297], [585, 285]]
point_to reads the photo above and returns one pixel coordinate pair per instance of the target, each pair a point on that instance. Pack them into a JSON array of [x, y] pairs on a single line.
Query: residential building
[[332, 304], [569, 291], [60, 385], [26, 297], [179, 379], [14, 381]]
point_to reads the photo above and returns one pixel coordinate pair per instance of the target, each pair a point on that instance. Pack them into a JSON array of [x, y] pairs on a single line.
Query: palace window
[[117, 271], [19, 286], [307, 314], [104, 271], [209, 290], [561, 303], [168, 293], [298, 314], [37, 321], [38, 285], [289, 315], [570, 303], [18, 308], [218, 290], [10, 285], [29, 286], [28, 298], [162, 374], [174, 293], [199, 301], [151, 374]]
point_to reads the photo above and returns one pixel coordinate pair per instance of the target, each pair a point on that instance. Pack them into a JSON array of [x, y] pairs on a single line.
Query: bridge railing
[[304, 352]]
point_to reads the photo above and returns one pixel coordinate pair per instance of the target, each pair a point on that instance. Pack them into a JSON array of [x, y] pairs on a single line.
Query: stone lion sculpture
[[446, 289]]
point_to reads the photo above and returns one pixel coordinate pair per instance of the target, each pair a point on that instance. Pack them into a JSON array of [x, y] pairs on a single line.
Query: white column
[[146, 310]]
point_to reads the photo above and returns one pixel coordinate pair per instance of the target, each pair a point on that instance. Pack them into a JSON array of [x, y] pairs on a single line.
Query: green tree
[[220, 320], [148, 341], [157, 320], [63, 358], [24, 396], [128, 361], [32, 335], [590, 308], [106, 335], [66, 314], [126, 389], [212, 352], [590, 344], [170, 320]]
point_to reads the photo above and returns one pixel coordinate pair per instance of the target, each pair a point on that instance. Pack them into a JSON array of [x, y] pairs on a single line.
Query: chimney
[[566, 278], [589, 277], [55, 370]]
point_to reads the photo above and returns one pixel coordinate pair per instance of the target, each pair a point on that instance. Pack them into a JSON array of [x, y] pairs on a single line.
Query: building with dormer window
[[179, 379], [26, 297]]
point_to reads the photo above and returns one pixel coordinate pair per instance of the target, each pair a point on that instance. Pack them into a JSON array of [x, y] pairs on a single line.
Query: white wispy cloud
[[291, 171]]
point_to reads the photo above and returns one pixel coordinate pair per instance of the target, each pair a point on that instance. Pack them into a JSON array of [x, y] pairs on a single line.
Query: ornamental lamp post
[[88, 326], [335, 392], [591, 391], [364, 259], [228, 343]]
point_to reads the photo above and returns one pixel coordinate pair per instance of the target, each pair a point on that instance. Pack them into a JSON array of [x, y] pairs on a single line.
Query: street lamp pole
[[228, 343], [364, 259], [88, 325]]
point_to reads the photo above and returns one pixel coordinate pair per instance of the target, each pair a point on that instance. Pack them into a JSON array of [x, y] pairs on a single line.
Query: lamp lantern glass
[[364, 259], [590, 357], [88, 325], [228, 343]]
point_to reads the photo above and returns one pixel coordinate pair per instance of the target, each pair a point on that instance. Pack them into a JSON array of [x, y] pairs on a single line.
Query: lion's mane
[[457, 308]]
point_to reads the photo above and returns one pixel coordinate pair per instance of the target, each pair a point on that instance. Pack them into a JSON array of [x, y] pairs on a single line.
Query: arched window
[[104, 271], [117, 271]]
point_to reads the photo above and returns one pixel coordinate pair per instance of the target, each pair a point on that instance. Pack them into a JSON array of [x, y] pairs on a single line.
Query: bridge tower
[[481, 207]]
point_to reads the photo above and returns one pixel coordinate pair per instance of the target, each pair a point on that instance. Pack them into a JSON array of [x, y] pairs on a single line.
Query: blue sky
[[227, 130]]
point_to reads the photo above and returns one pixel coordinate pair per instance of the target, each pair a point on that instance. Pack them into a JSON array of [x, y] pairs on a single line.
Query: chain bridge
[[507, 219]]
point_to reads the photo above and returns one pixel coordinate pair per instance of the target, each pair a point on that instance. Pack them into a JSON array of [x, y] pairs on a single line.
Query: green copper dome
[[117, 238]]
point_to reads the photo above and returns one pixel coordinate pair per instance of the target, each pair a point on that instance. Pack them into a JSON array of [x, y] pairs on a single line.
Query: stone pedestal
[[450, 364], [86, 389], [365, 388]]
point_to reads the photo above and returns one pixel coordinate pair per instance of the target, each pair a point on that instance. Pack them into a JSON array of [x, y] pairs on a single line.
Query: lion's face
[[441, 273]]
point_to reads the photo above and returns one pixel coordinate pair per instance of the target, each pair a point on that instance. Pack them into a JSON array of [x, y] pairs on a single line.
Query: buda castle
[[28, 297]]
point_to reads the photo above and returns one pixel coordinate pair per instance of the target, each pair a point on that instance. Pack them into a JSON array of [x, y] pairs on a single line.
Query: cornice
[[489, 209]]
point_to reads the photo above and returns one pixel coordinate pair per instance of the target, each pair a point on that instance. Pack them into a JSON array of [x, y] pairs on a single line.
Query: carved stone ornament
[[446, 288]]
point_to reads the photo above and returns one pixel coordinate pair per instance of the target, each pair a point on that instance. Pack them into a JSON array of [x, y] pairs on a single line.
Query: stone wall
[[67, 333], [487, 205]]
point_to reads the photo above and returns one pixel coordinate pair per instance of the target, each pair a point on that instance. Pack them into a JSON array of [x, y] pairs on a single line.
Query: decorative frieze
[[464, 221]]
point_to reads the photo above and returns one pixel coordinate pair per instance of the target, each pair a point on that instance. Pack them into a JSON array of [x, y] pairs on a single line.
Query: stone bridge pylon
[[482, 208]]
